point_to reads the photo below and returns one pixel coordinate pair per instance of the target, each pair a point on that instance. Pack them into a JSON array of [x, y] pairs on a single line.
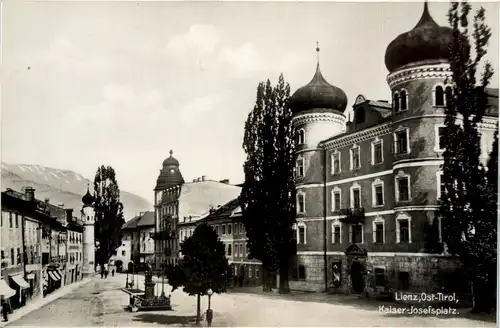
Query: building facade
[[368, 190], [177, 201], [226, 220]]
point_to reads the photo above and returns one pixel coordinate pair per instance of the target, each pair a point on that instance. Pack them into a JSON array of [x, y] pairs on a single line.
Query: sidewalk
[[38, 303]]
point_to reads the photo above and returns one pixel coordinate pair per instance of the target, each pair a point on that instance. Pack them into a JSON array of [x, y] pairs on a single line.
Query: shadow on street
[[164, 319]]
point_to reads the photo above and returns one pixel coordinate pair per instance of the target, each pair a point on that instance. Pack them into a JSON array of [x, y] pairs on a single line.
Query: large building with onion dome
[[367, 189]]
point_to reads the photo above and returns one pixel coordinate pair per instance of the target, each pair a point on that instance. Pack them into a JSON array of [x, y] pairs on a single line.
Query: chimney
[[61, 205], [198, 179], [69, 214], [47, 200], [29, 194], [203, 177], [194, 180], [226, 181]]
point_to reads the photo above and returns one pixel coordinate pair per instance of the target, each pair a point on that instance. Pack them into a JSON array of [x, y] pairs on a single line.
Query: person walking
[[113, 272], [4, 309]]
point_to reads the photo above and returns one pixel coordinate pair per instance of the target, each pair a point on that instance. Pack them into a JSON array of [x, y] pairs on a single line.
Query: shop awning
[[53, 275], [19, 280], [5, 289], [59, 273]]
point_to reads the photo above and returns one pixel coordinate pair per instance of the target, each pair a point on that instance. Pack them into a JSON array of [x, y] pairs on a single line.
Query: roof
[[229, 209], [170, 174], [197, 198], [146, 219]]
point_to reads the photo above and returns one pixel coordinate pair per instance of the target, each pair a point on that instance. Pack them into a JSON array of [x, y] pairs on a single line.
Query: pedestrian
[[3, 305], [102, 272], [113, 272], [105, 274]]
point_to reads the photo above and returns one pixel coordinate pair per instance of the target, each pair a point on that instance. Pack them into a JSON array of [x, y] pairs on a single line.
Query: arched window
[[404, 100], [360, 115], [449, 95], [301, 137], [396, 102], [438, 96]]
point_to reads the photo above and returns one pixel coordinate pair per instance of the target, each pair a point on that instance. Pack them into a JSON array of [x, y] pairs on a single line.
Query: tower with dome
[[368, 189], [88, 219]]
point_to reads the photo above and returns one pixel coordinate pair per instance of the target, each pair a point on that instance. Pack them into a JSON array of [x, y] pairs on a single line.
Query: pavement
[[101, 302]]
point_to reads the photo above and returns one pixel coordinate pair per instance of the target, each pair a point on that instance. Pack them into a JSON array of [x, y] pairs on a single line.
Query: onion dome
[[170, 160], [318, 94], [170, 175], [426, 41], [87, 199]]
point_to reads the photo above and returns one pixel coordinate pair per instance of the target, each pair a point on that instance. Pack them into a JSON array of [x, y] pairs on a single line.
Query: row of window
[[239, 250], [402, 191], [227, 229], [441, 97], [14, 219], [357, 231]]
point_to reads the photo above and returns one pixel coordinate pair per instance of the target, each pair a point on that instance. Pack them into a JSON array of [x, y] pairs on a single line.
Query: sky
[[122, 83]]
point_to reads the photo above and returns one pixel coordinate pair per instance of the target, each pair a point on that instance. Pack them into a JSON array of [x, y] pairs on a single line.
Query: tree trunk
[[267, 281], [198, 310], [284, 285]]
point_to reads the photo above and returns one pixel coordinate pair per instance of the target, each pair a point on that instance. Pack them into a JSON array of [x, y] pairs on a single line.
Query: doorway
[[357, 277]]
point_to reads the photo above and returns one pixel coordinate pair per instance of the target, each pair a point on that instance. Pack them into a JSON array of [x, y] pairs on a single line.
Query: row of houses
[[42, 247]]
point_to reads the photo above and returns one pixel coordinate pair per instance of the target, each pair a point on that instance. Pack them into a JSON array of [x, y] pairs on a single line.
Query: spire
[[317, 54], [426, 17], [171, 152]]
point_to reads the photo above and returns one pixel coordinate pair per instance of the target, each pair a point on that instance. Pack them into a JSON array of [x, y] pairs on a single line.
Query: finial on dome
[[171, 152], [317, 56], [426, 16]]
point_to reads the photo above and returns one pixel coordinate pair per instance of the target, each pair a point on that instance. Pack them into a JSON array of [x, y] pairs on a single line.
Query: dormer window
[[360, 115], [396, 102], [301, 137], [439, 96], [403, 97]]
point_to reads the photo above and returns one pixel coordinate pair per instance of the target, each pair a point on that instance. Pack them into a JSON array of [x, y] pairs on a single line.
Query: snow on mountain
[[62, 187]]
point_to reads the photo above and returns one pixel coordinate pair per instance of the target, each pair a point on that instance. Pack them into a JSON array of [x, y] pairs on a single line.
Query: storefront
[[21, 287]]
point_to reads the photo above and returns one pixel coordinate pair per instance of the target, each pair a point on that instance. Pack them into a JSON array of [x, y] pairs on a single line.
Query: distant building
[[88, 218], [177, 201], [38, 242], [227, 222], [367, 190]]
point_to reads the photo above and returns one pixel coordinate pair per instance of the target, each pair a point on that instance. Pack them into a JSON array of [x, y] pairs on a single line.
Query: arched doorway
[[357, 277]]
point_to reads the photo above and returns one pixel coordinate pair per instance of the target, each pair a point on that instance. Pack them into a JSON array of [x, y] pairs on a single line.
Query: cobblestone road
[[101, 303]]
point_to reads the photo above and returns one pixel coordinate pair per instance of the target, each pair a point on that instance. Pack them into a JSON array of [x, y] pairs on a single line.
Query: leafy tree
[[469, 218], [203, 266], [268, 195], [108, 214], [431, 235]]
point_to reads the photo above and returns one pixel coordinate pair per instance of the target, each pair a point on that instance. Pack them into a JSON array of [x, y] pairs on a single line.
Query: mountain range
[[62, 187]]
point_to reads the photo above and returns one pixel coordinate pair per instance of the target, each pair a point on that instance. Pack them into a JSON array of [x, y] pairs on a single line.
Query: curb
[[40, 302]]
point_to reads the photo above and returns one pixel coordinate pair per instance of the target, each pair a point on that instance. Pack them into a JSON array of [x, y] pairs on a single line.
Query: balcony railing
[[355, 214], [162, 235]]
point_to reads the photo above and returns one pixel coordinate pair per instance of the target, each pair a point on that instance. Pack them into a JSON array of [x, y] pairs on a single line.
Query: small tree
[[108, 214], [468, 203], [203, 266]]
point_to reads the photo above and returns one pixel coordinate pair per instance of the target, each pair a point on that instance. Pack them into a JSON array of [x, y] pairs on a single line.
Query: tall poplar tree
[[268, 195], [108, 214], [469, 218]]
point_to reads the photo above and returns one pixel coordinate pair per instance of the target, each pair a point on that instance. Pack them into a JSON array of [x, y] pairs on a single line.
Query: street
[[101, 303]]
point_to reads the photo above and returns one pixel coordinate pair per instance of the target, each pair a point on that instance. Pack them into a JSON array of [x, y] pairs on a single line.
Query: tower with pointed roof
[[88, 219], [170, 178]]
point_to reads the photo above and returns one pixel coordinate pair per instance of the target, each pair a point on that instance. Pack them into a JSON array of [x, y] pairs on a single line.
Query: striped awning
[[59, 273], [5, 289], [53, 275], [19, 280]]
